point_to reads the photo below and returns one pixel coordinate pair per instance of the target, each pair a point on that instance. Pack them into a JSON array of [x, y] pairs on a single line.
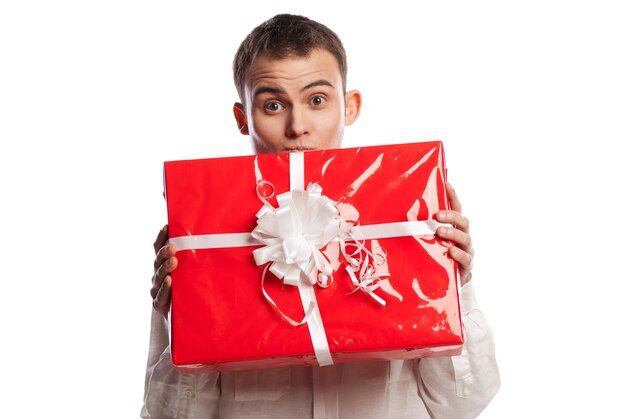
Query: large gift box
[[311, 258]]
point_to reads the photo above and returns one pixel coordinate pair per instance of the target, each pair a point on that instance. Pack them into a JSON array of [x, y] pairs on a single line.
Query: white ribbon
[[362, 232], [292, 236]]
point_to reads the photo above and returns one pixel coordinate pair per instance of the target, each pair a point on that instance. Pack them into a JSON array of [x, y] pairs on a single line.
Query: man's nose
[[297, 124]]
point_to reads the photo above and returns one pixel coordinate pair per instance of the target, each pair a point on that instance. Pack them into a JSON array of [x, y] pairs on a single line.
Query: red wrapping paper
[[220, 319]]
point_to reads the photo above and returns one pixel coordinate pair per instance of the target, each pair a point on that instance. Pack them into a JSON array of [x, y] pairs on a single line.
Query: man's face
[[295, 103]]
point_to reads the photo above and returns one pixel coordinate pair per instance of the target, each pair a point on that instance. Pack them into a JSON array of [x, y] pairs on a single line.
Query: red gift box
[[400, 299]]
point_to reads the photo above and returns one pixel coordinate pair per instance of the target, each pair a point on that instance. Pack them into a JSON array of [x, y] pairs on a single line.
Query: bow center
[[296, 249]]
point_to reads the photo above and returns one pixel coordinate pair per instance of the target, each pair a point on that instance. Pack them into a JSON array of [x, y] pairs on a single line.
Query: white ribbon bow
[[294, 233]]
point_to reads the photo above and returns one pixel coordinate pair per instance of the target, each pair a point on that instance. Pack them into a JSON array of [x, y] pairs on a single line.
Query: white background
[[528, 97]]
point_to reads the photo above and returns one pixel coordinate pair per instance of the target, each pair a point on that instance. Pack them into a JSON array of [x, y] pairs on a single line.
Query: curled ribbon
[[367, 280]]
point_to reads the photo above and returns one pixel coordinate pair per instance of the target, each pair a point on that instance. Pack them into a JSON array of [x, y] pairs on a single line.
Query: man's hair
[[283, 36]]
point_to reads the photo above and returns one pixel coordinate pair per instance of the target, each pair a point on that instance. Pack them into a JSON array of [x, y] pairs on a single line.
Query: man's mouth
[[298, 148]]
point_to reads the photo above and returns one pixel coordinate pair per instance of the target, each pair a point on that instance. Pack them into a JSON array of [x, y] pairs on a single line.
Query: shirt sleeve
[[462, 386], [159, 342], [168, 394]]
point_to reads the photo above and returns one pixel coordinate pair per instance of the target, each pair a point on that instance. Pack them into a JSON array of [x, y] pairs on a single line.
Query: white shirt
[[449, 387]]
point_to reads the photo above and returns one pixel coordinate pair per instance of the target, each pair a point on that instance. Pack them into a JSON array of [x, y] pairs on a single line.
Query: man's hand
[[164, 263], [463, 252]]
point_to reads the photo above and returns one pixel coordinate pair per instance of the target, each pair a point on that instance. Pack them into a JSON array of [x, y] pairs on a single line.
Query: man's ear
[[240, 117], [353, 106]]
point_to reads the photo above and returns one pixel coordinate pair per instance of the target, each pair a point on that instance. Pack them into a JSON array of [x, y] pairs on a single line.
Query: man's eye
[[317, 100], [274, 106]]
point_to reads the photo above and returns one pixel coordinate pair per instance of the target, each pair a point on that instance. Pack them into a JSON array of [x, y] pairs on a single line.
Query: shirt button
[[188, 393]]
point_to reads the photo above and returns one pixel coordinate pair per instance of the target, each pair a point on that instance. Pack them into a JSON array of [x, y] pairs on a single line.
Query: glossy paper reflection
[[221, 319]]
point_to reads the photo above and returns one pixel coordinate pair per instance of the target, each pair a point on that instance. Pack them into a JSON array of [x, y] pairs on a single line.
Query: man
[[290, 73]]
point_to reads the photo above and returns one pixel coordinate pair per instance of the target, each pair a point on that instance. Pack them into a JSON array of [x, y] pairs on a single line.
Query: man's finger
[[455, 218], [161, 239], [164, 253], [462, 239], [161, 273], [161, 302], [455, 204], [464, 259]]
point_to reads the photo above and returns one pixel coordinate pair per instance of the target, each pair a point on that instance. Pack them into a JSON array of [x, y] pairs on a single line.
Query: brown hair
[[286, 35]]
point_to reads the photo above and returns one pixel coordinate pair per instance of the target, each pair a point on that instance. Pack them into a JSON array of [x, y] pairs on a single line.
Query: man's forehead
[[315, 69]]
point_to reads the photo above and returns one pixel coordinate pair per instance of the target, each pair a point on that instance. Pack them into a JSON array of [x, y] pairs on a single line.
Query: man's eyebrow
[[320, 82], [278, 91], [268, 89]]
